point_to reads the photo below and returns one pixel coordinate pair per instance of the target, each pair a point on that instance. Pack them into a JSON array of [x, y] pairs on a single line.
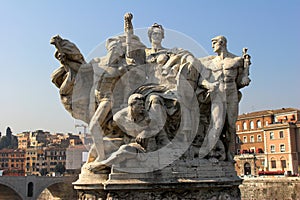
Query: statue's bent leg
[[95, 127], [215, 128], [232, 114], [157, 110], [125, 152]]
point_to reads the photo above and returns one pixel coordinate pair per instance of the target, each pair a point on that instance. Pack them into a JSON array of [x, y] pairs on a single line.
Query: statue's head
[[136, 104], [135, 98], [218, 43], [55, 39], [156, 29]]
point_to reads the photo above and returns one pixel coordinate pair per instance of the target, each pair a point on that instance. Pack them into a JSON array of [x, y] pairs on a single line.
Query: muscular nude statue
[[231, 72]]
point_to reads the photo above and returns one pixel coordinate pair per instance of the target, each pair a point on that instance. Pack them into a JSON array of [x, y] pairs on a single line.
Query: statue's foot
[[98, 167]]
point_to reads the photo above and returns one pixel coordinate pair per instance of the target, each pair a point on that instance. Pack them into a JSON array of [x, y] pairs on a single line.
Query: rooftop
[[268, 112]]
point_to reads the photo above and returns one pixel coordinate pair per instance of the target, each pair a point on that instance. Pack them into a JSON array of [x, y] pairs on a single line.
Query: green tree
[[4, 143], [43, 172], [14, 142], [60, 168], [9, 135]]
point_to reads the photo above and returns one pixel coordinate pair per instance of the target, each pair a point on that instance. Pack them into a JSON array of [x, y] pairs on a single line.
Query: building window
[[259, 138], [281, 134], [273, 164], [260, 150], [238, 141], [238, 127], [251, 125], [271, 135], [244, 126], [258, 124], [267, 123], [252, 138], [238, 151], [283, 164], [282, 148], [272, 148], [245, 139]]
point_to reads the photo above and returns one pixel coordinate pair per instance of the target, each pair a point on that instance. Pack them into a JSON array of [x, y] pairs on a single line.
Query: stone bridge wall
[[251, 189], [285, 188], [18, 186]]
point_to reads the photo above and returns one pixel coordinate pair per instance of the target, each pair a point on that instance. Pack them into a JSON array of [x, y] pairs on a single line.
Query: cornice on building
[[279, 126], [265, 113], [250, 132], [256, 114]]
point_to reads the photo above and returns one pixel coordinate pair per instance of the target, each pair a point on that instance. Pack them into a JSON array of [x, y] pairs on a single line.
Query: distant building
[[23, 140], [74, 139], [34, 160], [64, 140], [12, 162], [32, 139], [43, 160], [43, 152], [74, 157], [268, 142], [38, 138], [54, 156]]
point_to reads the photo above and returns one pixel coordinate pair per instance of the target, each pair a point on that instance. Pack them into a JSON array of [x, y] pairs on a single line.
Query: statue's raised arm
[[134, 53]]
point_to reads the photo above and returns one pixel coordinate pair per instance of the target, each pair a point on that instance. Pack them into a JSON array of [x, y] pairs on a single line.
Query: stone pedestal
[[200, 179]]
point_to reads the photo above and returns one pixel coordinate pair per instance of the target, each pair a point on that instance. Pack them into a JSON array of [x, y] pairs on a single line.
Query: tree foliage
[[4, 142], [9, 141], [60, 168]]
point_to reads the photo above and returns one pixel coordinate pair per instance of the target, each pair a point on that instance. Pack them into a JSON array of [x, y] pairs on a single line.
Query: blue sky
[[29, 101]]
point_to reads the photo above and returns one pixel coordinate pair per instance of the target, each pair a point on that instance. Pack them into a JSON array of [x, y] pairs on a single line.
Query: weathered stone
[[158, 103]]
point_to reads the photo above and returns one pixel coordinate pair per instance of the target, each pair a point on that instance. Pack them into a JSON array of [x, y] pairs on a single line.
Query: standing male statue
[[231, 72]]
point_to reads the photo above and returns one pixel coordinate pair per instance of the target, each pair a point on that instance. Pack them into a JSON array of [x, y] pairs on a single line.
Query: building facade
[[41, 153], [23, 140], [12, 162], [74, 157], [268, 142], [33, 156]]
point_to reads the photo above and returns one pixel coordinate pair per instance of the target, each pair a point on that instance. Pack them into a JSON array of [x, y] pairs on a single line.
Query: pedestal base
[[202, 180], [211, 193]]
